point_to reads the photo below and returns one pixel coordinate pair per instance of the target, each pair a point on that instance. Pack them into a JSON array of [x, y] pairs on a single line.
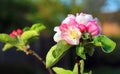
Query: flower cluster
[[73, 27], [16, 33]]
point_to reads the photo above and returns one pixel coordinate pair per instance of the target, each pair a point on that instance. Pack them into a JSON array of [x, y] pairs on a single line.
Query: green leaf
[[62, 71], [7, 46], [89, 49], [107, 44], [26, 29], [5, 38], [80, 51], [38, 27], [56, 53], [27, 35], [75, 70]]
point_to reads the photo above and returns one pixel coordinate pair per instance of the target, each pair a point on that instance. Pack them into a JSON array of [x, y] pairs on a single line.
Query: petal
[[72, 35], [56, 29], [93, 28], [83, 18], [57, 37]]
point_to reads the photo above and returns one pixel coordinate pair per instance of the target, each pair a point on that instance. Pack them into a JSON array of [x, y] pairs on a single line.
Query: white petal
[[57, 37], [88, 17], [56, 29]]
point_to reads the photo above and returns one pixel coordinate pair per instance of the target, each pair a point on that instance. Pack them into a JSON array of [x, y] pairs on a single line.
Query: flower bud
[[12, 35], [19, 31], [82, 28], [93, 28]]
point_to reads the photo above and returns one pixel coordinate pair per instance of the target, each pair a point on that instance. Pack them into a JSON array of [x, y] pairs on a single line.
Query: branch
[[29, 51]]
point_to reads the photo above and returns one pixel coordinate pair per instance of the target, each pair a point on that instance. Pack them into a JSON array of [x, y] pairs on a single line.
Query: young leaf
[[27, 35], [7, 46], [5, 38], [107, 44], [80, 51], [56, 53], [62, 71], [38, 27], [75, 70], [26, 29]]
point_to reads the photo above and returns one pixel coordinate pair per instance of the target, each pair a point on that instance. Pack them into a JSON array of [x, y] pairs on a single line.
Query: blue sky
[[110, 5]]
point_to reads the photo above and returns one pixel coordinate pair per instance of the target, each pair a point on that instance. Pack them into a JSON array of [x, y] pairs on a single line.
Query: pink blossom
[[73, 27], [19, 31], [83, 18], [16, 32], [69, 20], [12, 35], [82, 28], [93, 28], [69, 33], [72, 35]]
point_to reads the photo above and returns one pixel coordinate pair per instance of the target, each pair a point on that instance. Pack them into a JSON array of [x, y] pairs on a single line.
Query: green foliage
[[89, 49], [5, 38], [105, 43], [75, 69], [56, 53], [21, 42], [27, 35], [38, 27], [62, 71], [80, 51], [26, 29], [7, 46]]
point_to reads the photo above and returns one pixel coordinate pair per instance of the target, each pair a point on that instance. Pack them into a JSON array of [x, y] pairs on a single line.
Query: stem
[[78, 64], [29, 51]]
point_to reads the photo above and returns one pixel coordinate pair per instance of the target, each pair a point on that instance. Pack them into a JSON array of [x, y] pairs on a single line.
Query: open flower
[[72, 35], [73, 27], [68, 31]]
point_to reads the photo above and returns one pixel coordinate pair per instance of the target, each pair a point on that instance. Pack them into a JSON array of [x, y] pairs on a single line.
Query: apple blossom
[[19, 31], [93, 28], [83, 18], [72, 35], [16, 32], [73, 27]]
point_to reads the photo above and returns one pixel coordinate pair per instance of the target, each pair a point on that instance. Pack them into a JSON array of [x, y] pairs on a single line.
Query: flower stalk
[[78, 64]]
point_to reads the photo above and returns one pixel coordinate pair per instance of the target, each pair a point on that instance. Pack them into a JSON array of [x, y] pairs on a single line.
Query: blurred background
[[20, 13]]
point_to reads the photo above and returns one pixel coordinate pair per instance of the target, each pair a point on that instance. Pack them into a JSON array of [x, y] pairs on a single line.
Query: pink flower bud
[[12, 35], [14, 32], [93, 28], [82, 28], [19, 31]]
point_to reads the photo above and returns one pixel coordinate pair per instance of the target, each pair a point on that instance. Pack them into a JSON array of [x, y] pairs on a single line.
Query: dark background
[[20, 13]]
